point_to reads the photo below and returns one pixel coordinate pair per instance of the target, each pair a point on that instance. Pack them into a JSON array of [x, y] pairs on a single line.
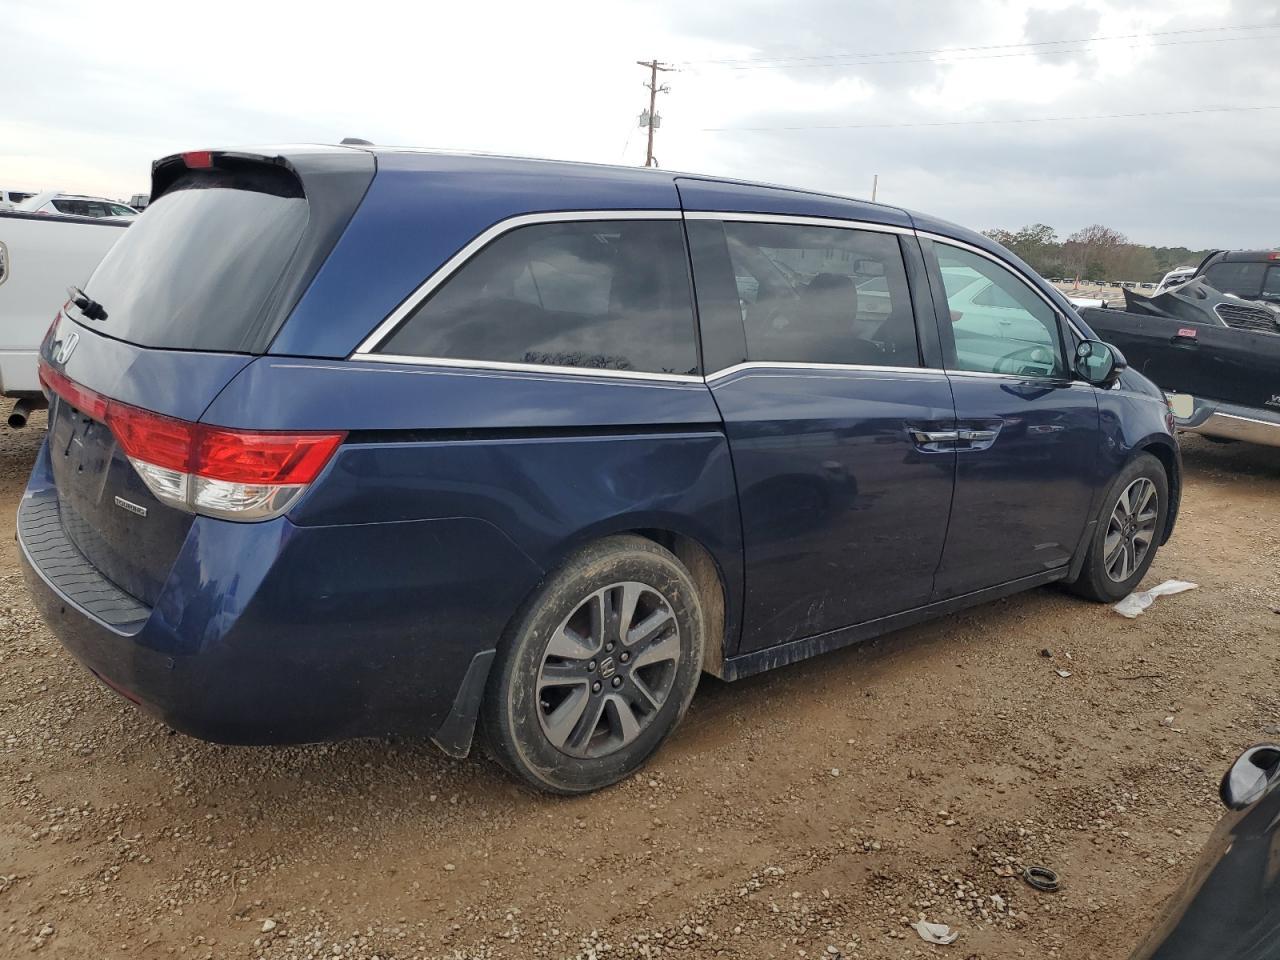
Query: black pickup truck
[[1215, 354]]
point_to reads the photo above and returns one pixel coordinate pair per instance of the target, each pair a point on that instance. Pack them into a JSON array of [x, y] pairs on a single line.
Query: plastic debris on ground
[[936, 932], [1133, 605]]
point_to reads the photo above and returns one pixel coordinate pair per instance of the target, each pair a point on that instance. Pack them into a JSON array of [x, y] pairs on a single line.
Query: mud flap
[[1082, 551], [455, 734]]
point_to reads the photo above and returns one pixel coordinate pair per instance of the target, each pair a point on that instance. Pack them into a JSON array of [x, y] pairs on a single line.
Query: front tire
[[1127, 536], [597, 669]]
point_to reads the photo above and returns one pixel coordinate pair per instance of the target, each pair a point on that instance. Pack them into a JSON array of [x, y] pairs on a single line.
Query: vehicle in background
[[439, 439], [1081, 302], [1248, 274], [1216, 355], [40, 255], [1147, 285], [11, 198], [139, 201], [75, 205], [1229, 907], [1175, 277]]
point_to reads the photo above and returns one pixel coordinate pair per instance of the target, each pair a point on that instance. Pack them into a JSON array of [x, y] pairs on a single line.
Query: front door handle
[[978, 436], [934, 436]]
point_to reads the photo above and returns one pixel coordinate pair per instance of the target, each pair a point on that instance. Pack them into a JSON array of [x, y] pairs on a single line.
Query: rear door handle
[[977, 436]]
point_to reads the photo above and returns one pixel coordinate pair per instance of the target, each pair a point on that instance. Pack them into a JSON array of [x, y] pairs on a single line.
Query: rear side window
[[610, 295], [822, 295], [1242, 279], [199, 270]]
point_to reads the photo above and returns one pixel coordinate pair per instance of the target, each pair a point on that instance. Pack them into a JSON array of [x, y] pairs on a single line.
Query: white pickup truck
[[40, 256]]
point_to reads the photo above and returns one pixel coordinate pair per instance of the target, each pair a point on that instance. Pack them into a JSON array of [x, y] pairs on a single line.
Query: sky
[[820, 94]]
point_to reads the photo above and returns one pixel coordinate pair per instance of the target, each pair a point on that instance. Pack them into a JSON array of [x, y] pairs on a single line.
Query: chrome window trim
[[797, 221], [512, 367], [951, 241], [783, 366], [384, 330], [1021, 378]]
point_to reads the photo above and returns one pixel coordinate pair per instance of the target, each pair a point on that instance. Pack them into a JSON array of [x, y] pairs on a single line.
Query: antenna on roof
[[356, 142]]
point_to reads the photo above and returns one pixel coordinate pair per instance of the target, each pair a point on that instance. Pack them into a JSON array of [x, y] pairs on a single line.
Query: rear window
[[611, 295], [199, 271]]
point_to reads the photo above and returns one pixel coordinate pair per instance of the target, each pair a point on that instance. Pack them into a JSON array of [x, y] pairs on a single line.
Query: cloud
[[559, 79]]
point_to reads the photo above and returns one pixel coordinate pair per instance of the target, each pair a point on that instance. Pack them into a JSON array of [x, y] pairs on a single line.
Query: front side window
[[1242, 279], [999, 323], [822, 295], [609, 295], [1271, 285]]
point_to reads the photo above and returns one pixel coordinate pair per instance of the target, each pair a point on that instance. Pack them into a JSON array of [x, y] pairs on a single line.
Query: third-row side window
[[612, 295]]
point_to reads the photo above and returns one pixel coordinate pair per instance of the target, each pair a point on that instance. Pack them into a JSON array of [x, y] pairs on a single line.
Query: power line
[[946, 56], [975, 123], [1000, 46], [651, 118]]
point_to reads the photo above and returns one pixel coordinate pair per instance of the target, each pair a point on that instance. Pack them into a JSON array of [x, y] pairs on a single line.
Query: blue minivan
[[352, 441]]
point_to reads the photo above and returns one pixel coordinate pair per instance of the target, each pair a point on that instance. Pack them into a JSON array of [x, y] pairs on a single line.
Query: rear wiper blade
[[91, 308]]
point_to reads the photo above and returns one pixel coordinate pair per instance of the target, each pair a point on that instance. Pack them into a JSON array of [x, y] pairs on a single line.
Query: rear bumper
[[278, 633], [1231, 422]]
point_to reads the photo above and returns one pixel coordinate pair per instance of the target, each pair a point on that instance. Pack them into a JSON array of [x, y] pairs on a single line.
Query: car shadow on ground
[[1202, 456]]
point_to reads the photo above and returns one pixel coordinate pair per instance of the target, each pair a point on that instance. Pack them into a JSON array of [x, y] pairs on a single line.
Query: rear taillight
[[217, 471]]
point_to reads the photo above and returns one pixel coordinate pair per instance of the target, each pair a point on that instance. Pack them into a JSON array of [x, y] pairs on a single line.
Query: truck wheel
[[597, 669], [1128, 532]]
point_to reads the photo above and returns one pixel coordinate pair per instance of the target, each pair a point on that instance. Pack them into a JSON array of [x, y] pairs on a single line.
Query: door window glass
[[1271, 286], [1242, 279], [822, 295], [610, 295], [999, 323]]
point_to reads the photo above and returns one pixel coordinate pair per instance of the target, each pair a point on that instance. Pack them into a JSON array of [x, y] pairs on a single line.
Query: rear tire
[[1130, 525], [597, 669]]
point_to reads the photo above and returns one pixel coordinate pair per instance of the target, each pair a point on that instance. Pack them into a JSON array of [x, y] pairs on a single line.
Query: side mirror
[[1250, 777], [1099, 363]]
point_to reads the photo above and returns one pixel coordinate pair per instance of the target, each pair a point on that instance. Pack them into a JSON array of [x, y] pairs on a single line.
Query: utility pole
[[875, 185], [650, 118]]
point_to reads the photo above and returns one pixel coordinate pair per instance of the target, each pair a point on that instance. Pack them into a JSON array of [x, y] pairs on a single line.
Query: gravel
[[817, 811]]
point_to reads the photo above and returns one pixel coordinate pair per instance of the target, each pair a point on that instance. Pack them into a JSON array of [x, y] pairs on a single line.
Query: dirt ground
[[811, 812]]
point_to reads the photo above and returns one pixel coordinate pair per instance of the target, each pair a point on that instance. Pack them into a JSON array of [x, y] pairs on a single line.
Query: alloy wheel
[[1131, 529], [608, 669]]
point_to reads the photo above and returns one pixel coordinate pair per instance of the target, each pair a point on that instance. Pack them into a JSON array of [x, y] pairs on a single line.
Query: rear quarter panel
[[550, 460]]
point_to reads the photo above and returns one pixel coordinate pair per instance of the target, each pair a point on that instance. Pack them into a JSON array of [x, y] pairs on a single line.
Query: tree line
[[1094, 253]]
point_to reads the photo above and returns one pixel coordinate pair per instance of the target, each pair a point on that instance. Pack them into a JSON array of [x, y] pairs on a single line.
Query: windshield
[[199, 270]]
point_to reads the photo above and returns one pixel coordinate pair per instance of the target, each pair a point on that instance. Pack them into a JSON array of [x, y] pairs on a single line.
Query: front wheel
[[1128, 533], [597, 669]]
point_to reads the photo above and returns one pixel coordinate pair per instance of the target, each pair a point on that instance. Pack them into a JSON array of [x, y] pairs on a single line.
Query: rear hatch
[[196, 288]]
